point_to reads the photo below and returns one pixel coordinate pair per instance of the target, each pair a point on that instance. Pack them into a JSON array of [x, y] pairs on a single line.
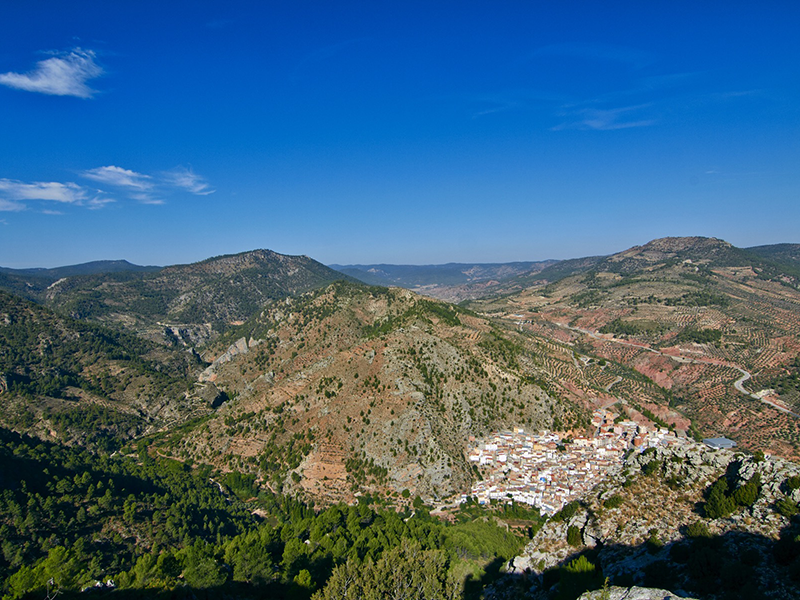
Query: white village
[[547, 472]]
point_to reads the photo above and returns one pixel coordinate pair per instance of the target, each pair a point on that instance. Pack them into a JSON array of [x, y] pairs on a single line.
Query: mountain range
[[287, 377]]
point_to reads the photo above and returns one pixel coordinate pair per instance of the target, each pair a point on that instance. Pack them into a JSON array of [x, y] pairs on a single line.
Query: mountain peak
[[682, 244], [695, 248]]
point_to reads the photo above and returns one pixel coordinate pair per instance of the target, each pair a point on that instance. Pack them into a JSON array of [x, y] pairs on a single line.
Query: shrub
[[698, 529], [719, 504], [652, 467], [614, 501], [786, 507], [578, 576], [654, 543], [747, 494], [574, 536], [567, 512]]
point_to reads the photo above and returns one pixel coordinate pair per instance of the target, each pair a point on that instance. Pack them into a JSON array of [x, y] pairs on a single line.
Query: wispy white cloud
[[607, 119], [150, 189], [54, 191], [16, 195], [64, 74], [186, 179], [112, 182], [144, 198], [10, 206], [117, 176], [99, 202]]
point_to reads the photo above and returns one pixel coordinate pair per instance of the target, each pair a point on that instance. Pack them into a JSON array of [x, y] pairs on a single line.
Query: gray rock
[[634, 593]]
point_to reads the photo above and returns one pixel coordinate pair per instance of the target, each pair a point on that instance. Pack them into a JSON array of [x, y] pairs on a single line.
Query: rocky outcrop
[[659, 496], [212, 396], [240, 346], [633, 593]]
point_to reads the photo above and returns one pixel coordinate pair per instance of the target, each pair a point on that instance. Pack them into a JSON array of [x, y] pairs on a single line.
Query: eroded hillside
[[355, 389]]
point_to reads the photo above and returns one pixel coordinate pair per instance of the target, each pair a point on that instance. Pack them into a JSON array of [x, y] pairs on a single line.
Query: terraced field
[[686, 326]]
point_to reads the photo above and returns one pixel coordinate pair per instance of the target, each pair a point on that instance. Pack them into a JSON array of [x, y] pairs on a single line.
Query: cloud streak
[[65, 74], [185, 179], [147, 189], [70, 193], [15, 196], [111, 180], [605, 119], [119, 177]]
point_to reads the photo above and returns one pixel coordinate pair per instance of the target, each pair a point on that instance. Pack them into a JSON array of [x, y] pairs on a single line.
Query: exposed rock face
[[240, 346], [634, 593], [647, 530], [212, 396]]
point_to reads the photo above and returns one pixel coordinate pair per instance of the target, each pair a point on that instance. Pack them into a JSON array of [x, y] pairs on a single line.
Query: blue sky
[[393, 132]]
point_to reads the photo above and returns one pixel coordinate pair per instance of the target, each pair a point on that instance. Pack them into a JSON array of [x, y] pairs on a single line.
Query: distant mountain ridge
[[96, 267], [201, 298], [452, 282], [455, 282], [776, 261], [444, 274]]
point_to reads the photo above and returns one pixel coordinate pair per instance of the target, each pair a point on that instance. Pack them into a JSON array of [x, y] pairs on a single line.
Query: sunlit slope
[[693, 316], [355, 389]]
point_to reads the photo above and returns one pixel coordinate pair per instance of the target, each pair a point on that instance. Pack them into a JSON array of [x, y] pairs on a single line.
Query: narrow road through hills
[[738, 384]]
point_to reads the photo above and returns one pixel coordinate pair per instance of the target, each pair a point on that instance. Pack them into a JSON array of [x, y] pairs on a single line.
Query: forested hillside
[[156, 528], [83, 381]]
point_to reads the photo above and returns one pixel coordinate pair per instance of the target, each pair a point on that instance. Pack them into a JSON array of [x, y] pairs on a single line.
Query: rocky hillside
[[631, 593], [699, 522], [713, 327], [358, 390], [778, 261]]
